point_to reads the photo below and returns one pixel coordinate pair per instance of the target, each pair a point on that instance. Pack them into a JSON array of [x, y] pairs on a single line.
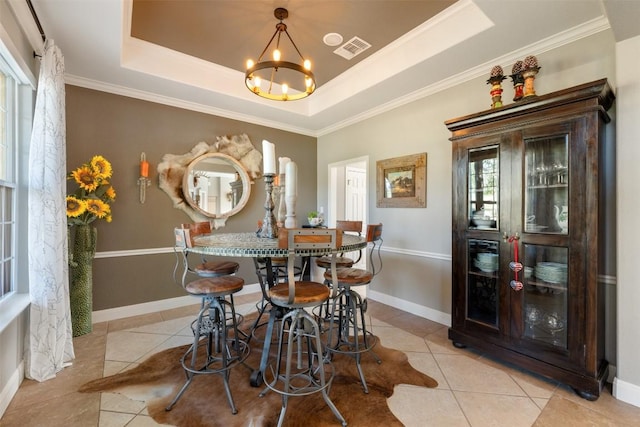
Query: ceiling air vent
[[352, 48]]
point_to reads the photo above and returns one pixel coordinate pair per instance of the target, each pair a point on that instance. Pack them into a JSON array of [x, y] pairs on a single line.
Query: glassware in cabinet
[[547, 184], [484, 178], [482, 281], [545, 297]]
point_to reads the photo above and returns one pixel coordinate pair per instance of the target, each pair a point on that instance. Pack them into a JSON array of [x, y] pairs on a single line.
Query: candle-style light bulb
[[257, 81], [249, 63], [285, 88], [307, 64], [308, 82], [276, 55]]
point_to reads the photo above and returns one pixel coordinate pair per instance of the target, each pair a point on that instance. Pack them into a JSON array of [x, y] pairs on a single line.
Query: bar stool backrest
[[374, 237], [353, 227], [182, 242], [196, 229], [307, 239]]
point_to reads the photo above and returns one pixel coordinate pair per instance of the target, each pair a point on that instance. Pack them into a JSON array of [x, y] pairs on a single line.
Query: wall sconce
[[143, 181]]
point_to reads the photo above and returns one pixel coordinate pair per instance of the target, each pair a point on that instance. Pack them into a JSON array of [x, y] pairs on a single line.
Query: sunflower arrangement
[[94, 194]]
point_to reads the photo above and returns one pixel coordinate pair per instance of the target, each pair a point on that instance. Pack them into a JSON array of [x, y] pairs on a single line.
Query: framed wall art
[[401, 182]]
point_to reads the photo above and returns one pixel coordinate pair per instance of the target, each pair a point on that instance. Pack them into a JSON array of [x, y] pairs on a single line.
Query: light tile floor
[[473, 390]]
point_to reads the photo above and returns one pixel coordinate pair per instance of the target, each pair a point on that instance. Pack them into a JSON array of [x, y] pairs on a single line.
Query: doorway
[[348, 194]]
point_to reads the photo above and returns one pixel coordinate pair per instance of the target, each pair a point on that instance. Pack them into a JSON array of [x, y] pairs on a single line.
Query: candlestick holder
[[269, 228], [143, 183]]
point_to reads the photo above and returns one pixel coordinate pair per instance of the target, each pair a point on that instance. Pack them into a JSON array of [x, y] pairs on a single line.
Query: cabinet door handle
[[506, 237], [515, 265]]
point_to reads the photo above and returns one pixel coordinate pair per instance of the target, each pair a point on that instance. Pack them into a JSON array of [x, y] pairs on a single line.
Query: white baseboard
[[167, 304], [11, 388], [626, 392], [154, 306], [410, 307]]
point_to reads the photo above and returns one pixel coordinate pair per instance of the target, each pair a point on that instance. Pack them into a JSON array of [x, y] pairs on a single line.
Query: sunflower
[[101, 167], [94, 193], [99, 208], [86, 178], [111, 193], [75, 207]]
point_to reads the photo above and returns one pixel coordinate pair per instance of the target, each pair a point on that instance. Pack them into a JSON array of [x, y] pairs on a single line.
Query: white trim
[[411, 307], [28, 24], [11, 54], [11, 388], [155, 306], [626, 392], [11, 307], [180, 103], [568, 36], [134, 252], [167, 304], [411, 252], [557, 40], [424, 42]]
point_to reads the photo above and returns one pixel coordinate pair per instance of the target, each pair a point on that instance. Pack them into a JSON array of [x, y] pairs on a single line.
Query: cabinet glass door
[[545, 294], [482, 281], [546, 176], [483, 187]]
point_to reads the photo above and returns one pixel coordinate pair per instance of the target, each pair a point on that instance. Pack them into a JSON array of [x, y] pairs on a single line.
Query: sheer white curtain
[[49, 341]]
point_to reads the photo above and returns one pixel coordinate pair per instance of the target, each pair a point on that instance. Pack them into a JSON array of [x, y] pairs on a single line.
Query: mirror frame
[[172, 167], [244, 177]]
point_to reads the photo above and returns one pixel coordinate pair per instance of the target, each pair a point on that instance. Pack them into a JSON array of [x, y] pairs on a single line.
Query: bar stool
[[348, 307], [214, 350], [205, 267], [342, 261], [307, 371], [270, 271]]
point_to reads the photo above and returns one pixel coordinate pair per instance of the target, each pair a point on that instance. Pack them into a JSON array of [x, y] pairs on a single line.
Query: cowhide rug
[[157, 379]]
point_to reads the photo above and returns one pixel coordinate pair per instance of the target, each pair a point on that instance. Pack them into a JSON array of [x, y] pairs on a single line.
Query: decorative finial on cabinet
[[495, 80], [531, 68], [518, 80]]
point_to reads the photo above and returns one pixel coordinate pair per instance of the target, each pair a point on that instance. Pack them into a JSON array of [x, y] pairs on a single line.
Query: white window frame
[[8, 142], [14, 303]]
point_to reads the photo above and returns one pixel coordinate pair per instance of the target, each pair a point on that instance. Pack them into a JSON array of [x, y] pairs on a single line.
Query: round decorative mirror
[[216, 185]]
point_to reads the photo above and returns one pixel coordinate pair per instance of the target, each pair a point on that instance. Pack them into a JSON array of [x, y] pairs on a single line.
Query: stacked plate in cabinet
[[551, 272], [486, 262]]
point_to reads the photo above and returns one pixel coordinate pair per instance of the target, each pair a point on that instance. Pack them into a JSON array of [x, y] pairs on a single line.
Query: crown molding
[[569, 36], [179, 103], [587, 29]]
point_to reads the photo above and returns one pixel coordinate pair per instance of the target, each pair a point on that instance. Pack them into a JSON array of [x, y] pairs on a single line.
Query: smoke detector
[[332, 39]]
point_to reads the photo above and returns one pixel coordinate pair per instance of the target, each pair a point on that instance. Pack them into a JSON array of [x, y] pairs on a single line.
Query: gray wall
[[627, 384], [120, 128], [417, 242]]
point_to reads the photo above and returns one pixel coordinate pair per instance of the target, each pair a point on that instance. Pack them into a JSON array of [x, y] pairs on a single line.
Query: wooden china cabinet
[[527, 234]]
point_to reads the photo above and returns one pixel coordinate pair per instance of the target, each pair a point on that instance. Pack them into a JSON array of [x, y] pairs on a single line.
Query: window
[[8, 96]]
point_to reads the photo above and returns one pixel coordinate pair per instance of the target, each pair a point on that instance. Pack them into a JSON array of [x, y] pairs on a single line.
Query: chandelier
[[277, 79]]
